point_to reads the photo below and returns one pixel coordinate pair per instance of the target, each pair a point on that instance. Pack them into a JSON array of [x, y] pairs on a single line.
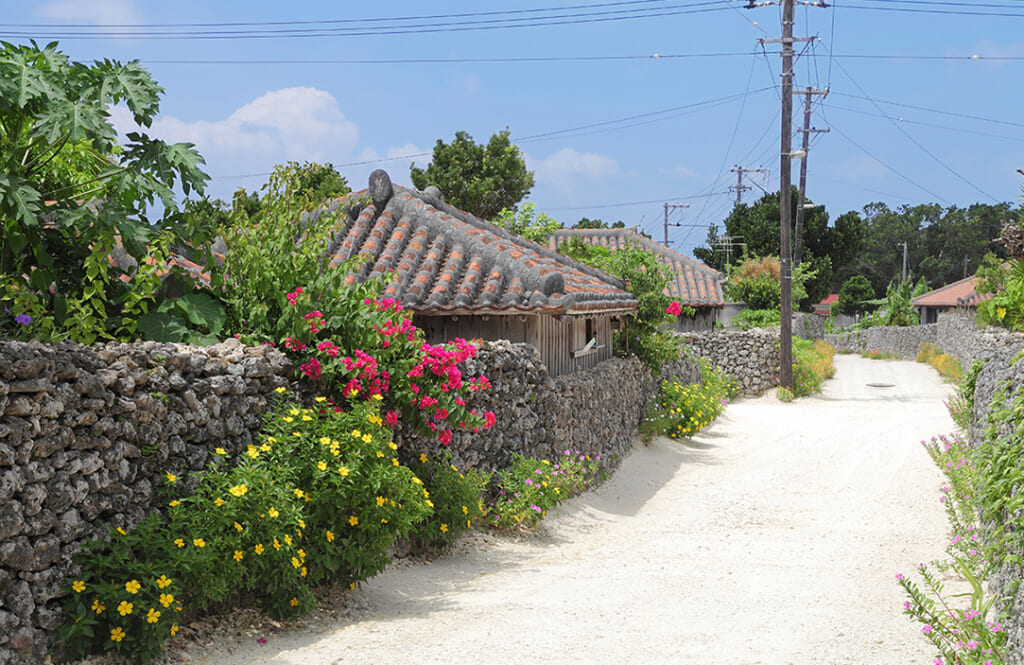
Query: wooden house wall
[[703, 319], [556, 338]]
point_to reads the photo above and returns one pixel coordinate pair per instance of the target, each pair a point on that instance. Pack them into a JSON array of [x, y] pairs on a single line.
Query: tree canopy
[[480, 179], [826, 248], [69, 193]]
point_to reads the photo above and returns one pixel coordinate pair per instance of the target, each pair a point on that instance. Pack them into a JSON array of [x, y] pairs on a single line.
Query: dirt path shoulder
[[773, 537]]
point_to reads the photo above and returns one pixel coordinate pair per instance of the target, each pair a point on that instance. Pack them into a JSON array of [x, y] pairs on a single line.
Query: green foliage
[[69, 193], [784, 394], [318, 498], [878, 354], [898, 307], [938, 240], [854, 295], [527, 222], [960, 635], [961, 405], [749, 319], [1005, 309], [587, 223], [529, 488], [757, 282], [482, 180], [682, 410], [812, 364], [646, 336], [455, 497]]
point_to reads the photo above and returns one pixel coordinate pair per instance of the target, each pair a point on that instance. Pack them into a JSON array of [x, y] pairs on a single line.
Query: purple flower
[[535, 507], [23, 319], [261, 640]]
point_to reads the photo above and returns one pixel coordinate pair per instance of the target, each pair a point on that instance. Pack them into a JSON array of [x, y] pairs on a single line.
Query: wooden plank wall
[[556, 338]]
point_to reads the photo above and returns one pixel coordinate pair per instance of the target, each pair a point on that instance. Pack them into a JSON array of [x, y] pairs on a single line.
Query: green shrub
[[944, 364], [784, 394], [682, 410], [961, 405], [318, 498], [455, 497], [529, 488], [812, 364], [749, 319]]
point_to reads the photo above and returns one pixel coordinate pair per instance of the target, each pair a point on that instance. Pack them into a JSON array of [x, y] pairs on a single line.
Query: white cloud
[[567, 166], [293, 124], [679, 172], [97, 12]]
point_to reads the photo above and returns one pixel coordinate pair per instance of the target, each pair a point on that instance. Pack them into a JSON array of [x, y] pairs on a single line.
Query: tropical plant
[[69, 194], [527, 222], [854, 296]]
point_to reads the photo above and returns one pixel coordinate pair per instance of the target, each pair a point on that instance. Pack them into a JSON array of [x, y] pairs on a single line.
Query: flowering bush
[[529, 488], [944, 364], [812, 364], [962, 636], [319, 497], [456, 500], [685, 409]]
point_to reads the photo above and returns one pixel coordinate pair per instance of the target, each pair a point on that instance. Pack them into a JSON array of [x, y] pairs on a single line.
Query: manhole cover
[[881, 385]]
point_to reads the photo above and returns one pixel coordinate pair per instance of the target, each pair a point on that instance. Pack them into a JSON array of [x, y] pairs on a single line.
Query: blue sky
[[610, 131]]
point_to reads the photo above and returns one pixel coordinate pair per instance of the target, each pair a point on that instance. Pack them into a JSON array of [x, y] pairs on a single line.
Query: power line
[[929, 124], [448, 61], [913, 140], [931, 110]]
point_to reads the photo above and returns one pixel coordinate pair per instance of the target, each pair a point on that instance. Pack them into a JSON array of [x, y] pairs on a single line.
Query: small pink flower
[[927, 629], [674, 309]]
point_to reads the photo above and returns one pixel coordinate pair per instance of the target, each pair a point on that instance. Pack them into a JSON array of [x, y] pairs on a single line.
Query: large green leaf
[[203, 310], [162, 327], [132, 84], [30, 82], [19, 200], [77, 120]]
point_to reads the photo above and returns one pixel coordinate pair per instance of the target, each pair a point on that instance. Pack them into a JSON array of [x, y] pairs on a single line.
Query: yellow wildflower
[[381, 501], [78, 586], [265, 447], [125, 608], [322, 465], [179, 542], [221, 451], [117, 634], [238, 490], [294, 602], [163, 582], [287, 539], [98, 607], [277, 545], [166, 599], [273, 512], [320, 399], [174, 503], [353, 520], [238, 527], [367, 438], [174, 630], [296, 563], [171, 477], [444, 528], [132, 586], [423, 457], [307, 418], [330, 537], [220, 502], [199, 542], [394, 461], [356, 434], [152, 616], [252, 452], [343, 470], [280, 390], [293, 411], [238, 555], [287, 419], [392, 445]]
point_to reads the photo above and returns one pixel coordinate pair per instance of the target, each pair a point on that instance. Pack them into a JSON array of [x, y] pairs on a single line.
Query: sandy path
[[773, 537]]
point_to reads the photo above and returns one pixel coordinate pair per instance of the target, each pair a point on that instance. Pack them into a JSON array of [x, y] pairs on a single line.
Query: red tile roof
[[693, 283], [951, 295], [445, 260]]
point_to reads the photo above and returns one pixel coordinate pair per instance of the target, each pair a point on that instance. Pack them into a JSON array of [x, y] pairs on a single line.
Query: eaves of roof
[[956, 293]]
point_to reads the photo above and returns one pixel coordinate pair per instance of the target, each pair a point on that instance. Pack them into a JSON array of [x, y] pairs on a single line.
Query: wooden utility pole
[[739, 186], [798, 241]]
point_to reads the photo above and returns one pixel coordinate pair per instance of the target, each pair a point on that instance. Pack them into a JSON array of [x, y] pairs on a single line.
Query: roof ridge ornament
[[380, 189]]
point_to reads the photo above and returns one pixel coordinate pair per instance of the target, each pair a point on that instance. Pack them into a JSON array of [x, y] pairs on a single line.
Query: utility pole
[[904, 243], [798, 241], [739, 186], [672, 206], [785, 177], [726, 243], [965, 267]]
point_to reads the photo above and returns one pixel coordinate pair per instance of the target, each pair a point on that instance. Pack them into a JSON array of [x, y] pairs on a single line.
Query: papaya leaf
[[162, 327]]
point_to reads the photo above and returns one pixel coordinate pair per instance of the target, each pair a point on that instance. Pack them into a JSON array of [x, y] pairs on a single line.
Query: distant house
[[824, 308], [463, 277], [693, 283], [960, 294]]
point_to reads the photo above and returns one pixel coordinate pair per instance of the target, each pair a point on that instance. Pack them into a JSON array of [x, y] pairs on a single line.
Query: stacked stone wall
[[751, 356]]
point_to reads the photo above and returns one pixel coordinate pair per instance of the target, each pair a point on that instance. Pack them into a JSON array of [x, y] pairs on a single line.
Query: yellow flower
[[252, 452], [238, 555], [322, 465], [273, 512], [423, 457], [378, 397], [287, 419], [394, 460], [271, 439], [98, 607], [221, 451], [302, 573], [125, 608], [238, 527], [294, 602], [444, 528], [1000, 312], [199, 542], [307, 418], [321, 400], [238, 490], [287, 539], [325, 440], [265, 447], [298, 493], [121, 531], [383, 521], [166, 599], [132, 586], [381, 501], [430, 503], [296, 563], [353, 520], [174, 630], [367, 438], [302, 523], [465, 510], [296, 433], [392, 445], [330, 537], [220, 502], [117, 634], [280, 390], [152, 616], [179, 542], [380, 454], [259, 548], [78, 586], [356, 434], [277, 545], [163, 582], [343, 470], [293, 411], [170, 477], [426, 493], [417, 480]]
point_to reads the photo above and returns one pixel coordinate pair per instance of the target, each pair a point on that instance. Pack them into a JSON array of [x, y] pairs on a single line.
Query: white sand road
[[772, 537]]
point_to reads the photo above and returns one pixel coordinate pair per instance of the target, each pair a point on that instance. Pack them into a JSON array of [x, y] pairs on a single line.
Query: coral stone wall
[[751, 356]]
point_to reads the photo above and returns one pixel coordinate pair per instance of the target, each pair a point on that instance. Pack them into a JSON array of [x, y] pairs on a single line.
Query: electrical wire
[[961, 130]]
